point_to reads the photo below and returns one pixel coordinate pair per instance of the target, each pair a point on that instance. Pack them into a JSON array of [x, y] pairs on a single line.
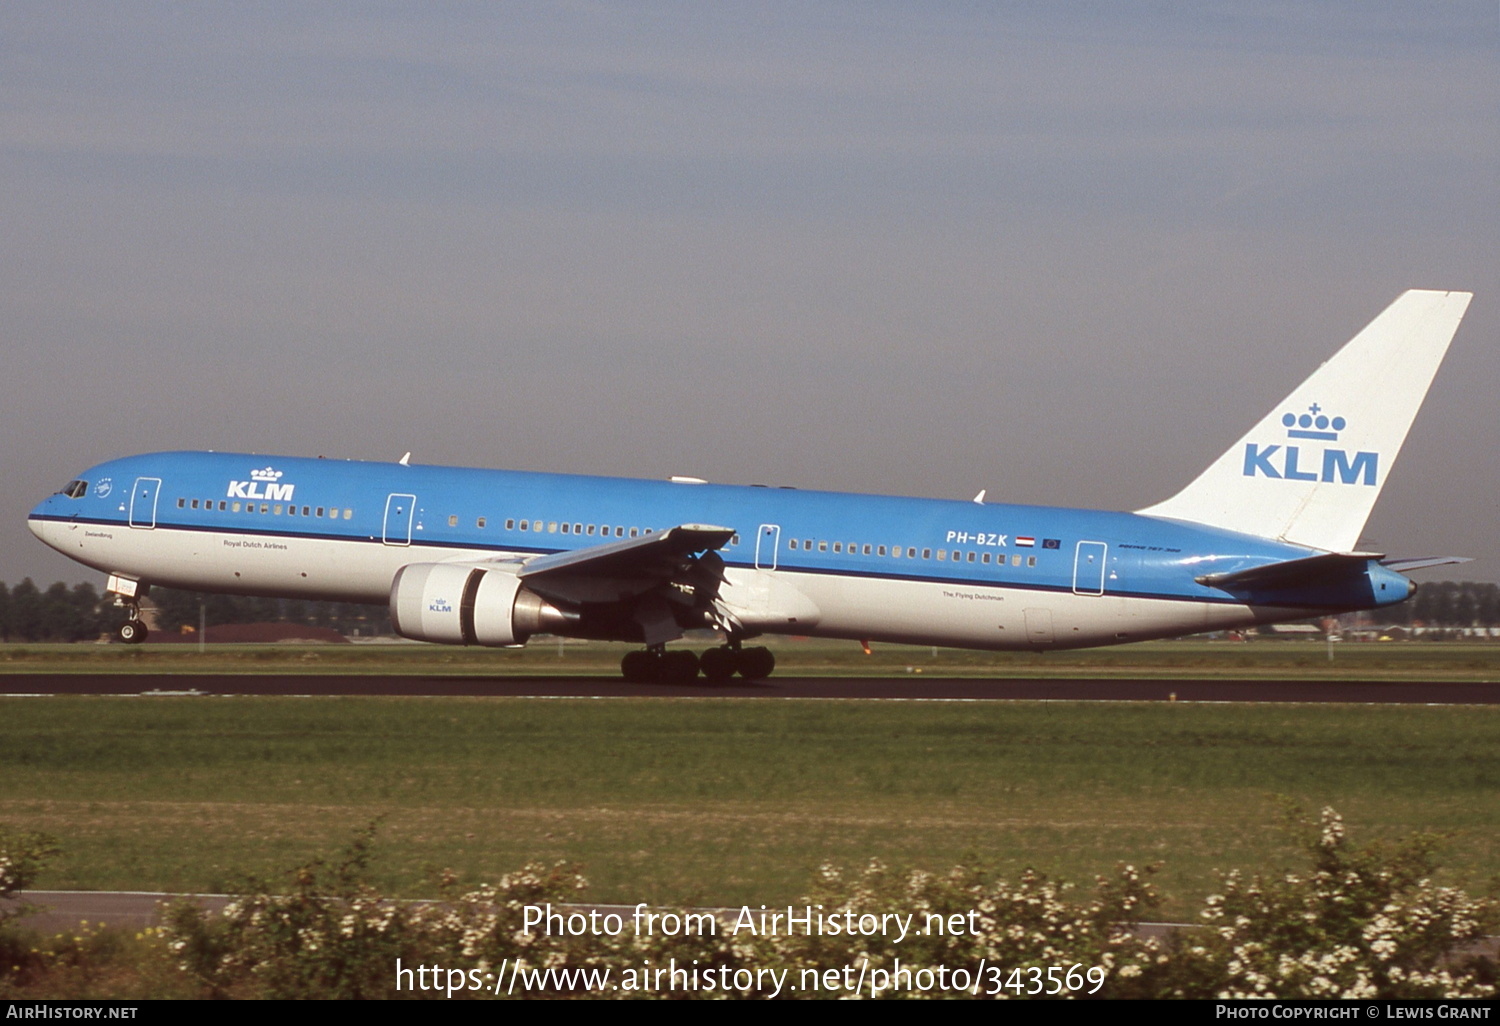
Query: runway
[[910, 688]]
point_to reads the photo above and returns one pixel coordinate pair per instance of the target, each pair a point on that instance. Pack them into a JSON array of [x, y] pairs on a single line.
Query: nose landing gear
[[128, 592], [133, 631]]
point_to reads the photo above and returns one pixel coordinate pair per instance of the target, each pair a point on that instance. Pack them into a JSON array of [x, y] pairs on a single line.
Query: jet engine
[[470, 604]]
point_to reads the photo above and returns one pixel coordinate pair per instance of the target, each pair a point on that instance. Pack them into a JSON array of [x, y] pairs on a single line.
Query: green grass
[[1260, 659], [723, 801]]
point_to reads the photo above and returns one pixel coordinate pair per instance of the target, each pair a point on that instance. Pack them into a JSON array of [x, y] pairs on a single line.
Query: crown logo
[[1313, 424], [265, 475]]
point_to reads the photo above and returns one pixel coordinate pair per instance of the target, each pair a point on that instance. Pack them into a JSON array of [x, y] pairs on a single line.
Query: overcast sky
[[1067, 252]]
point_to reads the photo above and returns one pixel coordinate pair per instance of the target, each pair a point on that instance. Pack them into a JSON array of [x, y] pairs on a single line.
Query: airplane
[[1267, 533]]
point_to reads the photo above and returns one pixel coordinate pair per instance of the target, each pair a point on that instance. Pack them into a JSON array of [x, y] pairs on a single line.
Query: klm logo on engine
[[1311, 463], [263, 484]]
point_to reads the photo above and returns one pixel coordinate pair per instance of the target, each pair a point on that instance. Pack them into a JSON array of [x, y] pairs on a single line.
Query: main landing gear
[[656, 665]]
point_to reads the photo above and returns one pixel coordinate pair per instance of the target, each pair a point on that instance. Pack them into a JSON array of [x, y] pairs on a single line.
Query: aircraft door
[[1088, 568], [767, 539], [143, 502], [398, 516], [1038, 626]]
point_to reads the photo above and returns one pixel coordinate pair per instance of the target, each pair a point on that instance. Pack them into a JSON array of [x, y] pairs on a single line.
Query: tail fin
[[1311, 470]]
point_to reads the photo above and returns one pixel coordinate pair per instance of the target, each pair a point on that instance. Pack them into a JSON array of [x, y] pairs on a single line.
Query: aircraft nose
[[38, 521], [38, 527]]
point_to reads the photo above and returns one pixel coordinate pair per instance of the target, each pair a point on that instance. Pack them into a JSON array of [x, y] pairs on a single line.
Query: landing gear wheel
[[756, 663], [131, 632], [679, 667], [641, 667], [718, 664]]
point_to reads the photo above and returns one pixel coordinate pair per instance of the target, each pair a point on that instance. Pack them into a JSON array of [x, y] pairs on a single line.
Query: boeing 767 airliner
[[483, 557]]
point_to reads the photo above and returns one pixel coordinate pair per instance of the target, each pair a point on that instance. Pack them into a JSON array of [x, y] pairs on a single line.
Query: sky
[[1065, 252]]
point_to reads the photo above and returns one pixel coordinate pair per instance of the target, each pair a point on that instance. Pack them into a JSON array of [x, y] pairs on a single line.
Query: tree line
[[1448, 604], [80, 613]]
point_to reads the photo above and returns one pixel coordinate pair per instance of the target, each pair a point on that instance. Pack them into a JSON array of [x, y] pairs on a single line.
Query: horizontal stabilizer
[[1293, 573], [1401, 566]]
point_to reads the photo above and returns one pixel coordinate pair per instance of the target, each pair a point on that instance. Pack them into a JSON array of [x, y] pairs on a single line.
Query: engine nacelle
[[469, 604]]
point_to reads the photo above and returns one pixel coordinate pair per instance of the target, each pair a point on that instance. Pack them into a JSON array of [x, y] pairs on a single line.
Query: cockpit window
[[75, 489]]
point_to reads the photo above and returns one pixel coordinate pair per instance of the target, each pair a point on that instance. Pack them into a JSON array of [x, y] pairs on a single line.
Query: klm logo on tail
[[1292, 463]]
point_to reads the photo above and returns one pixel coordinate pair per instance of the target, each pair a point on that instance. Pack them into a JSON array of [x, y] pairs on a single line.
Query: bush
[[22, 856], [1363, 923]]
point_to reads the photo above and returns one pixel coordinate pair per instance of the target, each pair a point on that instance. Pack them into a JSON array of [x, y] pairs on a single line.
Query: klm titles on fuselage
[[1288, 462], [263, 484]]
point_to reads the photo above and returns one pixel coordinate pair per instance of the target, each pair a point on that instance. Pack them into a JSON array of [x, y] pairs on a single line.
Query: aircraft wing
[[623, 569]]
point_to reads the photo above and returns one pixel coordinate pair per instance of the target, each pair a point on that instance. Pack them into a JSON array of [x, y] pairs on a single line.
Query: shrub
[[22, 857], [1363, 923]]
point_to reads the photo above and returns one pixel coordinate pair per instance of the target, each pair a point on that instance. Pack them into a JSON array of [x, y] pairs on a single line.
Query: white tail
[[1311, 470]]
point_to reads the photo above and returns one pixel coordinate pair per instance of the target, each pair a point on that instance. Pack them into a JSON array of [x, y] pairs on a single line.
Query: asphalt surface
[[912, 687]]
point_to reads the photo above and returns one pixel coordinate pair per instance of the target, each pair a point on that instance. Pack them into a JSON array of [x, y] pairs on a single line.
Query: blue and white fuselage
[[491, 557], [896, 569]]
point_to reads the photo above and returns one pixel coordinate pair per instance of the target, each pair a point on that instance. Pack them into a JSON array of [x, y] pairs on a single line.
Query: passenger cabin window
[[479, 523]]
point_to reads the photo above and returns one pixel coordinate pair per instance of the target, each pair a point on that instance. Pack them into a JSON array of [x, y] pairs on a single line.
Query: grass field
[[1260, 659], [724, 801]]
